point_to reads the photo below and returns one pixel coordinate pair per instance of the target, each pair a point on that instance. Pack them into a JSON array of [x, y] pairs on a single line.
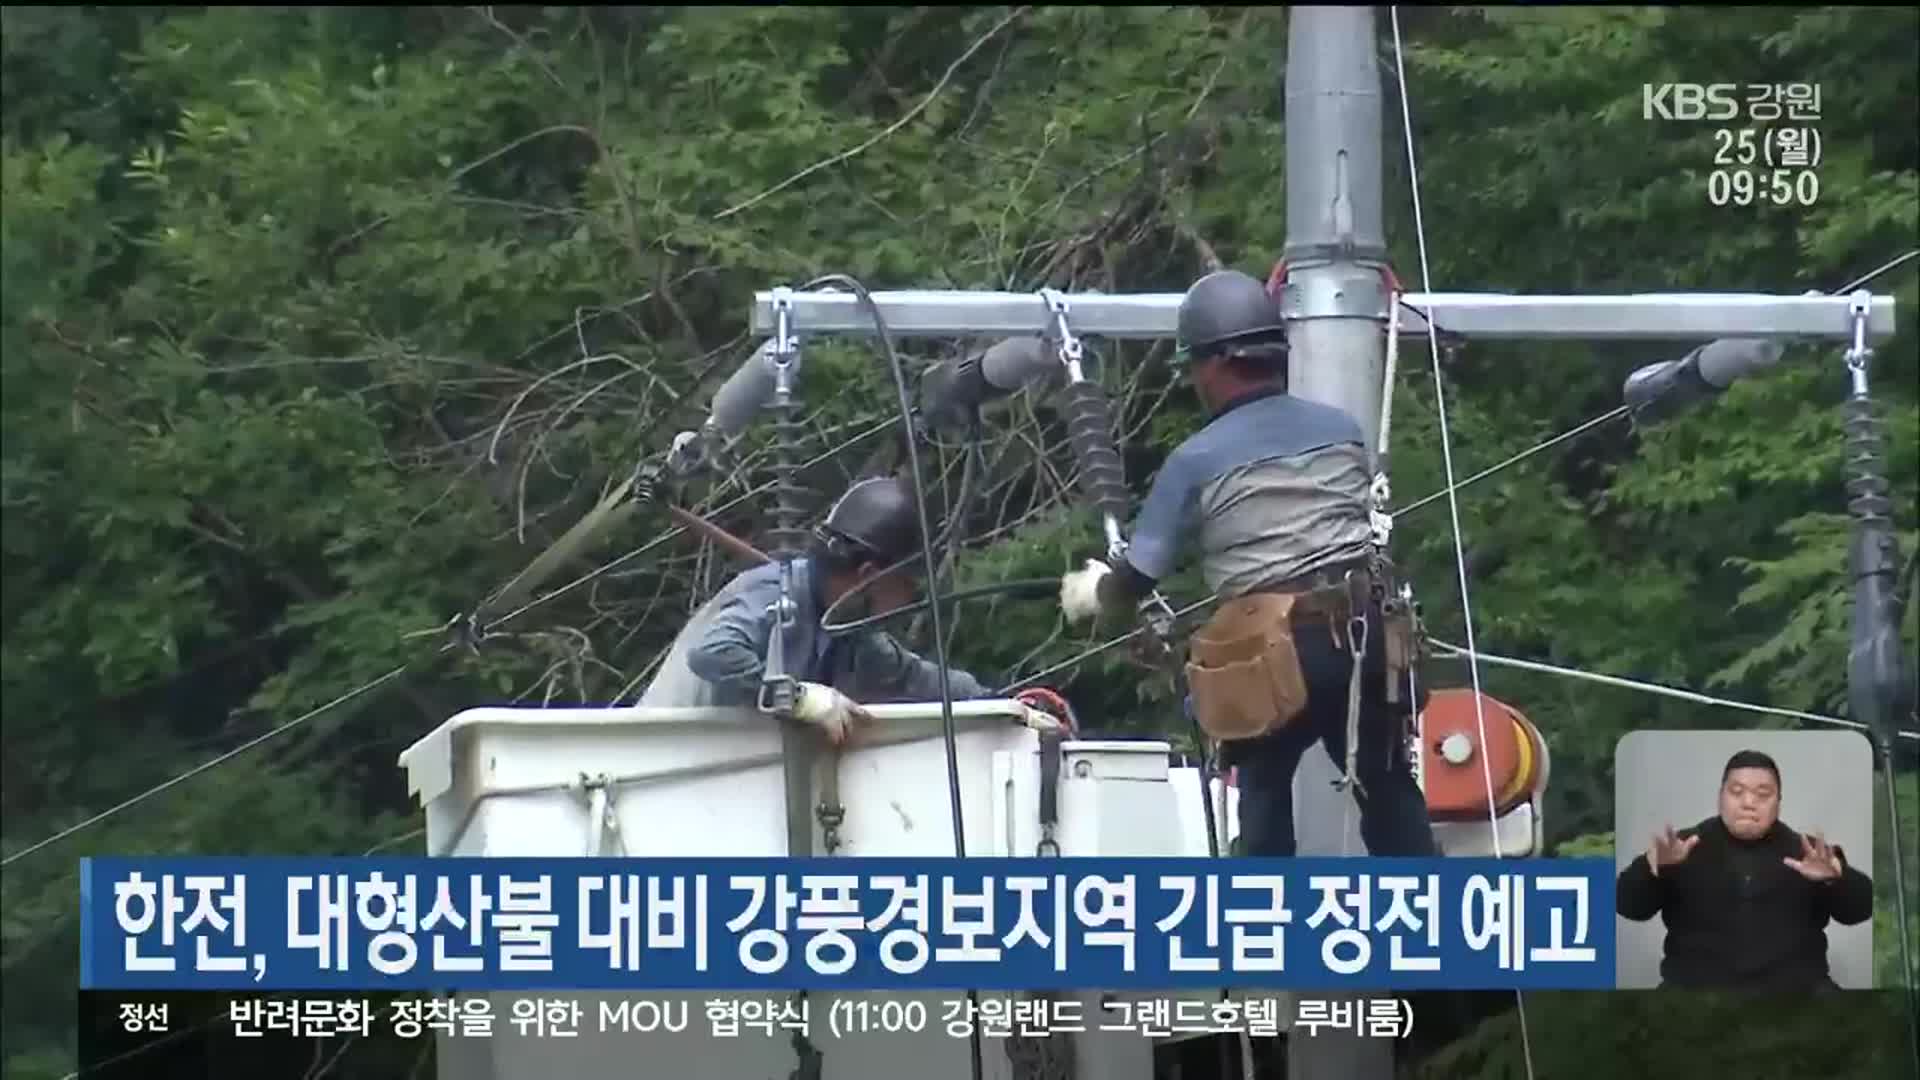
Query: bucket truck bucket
[[650, 782]]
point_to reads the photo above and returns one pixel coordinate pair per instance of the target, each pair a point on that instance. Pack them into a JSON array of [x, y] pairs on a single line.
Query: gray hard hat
[[1228, 308], [878, 516]]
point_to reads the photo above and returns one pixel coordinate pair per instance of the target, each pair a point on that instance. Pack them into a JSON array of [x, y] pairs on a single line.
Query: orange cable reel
[[1455, 766]]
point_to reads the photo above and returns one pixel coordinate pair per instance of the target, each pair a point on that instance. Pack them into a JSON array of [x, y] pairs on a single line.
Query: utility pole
[[1336, 248], [1334, 299]]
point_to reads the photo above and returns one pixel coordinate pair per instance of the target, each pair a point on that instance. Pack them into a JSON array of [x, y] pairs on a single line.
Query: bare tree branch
[[846, 155]]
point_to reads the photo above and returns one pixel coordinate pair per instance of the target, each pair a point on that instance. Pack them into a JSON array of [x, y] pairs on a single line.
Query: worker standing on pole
[[1275, 491], [721, 654]]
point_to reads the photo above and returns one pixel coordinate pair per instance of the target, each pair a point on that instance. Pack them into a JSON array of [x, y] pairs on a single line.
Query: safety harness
[[1400, 615]]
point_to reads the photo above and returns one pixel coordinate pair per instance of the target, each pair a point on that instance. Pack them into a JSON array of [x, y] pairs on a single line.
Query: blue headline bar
[[229, 923]]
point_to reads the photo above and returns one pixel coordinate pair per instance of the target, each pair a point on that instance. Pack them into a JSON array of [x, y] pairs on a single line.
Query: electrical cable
[[1875, 657], [1204, 767], [1454, 652], [1453, 503], [1890, 265], [670, 534], [1031, 586], [1088, 654], [1612, 414], [971, 472], [1621, 410], [204, 766], [947, 727]]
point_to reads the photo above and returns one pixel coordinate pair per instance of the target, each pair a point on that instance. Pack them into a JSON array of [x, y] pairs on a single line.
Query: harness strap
[[830, 812], [1050, 753], [796, 758], [1049, 1056], [1357, 632], [1359, 589]]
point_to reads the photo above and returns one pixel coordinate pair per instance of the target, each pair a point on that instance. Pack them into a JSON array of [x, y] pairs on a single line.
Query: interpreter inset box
[[1745, 859]]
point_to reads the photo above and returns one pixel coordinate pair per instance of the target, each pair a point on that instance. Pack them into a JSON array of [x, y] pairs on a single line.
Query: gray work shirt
[[721, 654], [1277, 487]]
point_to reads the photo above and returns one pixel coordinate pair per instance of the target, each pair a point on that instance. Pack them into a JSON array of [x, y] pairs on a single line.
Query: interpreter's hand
[[1818, 861], [1080, 591], [838, 716], [1668, 849]]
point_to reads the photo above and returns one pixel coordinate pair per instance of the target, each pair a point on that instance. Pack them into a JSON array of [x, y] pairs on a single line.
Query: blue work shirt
[[1273, 488], [721, 655]]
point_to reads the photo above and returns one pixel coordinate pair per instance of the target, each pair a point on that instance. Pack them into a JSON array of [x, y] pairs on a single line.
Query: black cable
[[1883, 746], [1112, 643], [1877, 615], [1207, 765], [1036, 586], [1206, 772], [1892, 264], [970, 473], [933, 599]]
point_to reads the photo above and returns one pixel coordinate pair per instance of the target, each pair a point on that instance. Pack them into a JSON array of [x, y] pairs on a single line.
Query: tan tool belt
[[1242, 668]]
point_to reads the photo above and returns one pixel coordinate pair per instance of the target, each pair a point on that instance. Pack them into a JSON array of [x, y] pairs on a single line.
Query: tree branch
[[847, 155]]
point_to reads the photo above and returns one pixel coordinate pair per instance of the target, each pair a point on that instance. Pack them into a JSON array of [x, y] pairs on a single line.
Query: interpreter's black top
[[1739, 916]]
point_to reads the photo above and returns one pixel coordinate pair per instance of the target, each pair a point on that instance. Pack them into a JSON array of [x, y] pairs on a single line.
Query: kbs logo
[[1689, 101]]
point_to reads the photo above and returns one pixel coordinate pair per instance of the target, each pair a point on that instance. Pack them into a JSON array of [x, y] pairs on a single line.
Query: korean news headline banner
[[848, 924]]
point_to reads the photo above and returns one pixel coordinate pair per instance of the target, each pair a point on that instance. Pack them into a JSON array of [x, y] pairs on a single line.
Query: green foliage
[[315, 326], [1575, 847], [1667, 1033]]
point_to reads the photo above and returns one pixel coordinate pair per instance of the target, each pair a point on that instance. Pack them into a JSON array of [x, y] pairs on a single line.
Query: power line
[[1452, 489], [677, 530], [1892, 264], [1622, 410], [1088, 654], [1611, 414], [1455, 652], [204, 766]]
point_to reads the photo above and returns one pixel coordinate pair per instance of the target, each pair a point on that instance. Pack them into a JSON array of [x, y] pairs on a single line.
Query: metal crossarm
[[946, 313]]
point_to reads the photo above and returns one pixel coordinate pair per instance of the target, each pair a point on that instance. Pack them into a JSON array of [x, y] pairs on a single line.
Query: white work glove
[[829, 710], [1080, 591]]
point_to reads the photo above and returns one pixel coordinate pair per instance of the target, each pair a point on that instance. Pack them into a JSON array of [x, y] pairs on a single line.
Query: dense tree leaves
[[316, 325]]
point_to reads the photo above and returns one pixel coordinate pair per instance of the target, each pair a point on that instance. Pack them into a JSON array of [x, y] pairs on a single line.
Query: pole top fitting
[[784, 345], [784, 356], [1334, 291], [1859, 310], [1057, 311]]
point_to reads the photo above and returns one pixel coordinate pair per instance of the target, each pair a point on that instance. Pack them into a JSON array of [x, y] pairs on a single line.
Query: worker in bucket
[[1274, 490], [721, 654]]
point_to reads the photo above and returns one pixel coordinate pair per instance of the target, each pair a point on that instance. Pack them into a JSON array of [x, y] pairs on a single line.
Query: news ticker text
[[561, 1017]]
